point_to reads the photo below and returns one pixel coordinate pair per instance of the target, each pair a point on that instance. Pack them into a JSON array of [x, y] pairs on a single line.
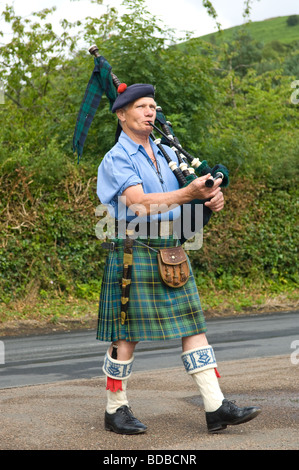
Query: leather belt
[[163, 228]]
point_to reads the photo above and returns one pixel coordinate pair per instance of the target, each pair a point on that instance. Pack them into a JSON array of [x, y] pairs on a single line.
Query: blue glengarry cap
[[131, 93]]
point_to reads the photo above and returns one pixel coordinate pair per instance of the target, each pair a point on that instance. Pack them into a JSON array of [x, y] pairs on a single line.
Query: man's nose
[[150, 111]]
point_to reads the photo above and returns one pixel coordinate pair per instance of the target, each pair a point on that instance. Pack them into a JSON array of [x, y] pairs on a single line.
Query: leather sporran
[[173, 266]]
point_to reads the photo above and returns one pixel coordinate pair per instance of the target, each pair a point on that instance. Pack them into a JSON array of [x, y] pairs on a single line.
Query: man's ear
[[120, 114]]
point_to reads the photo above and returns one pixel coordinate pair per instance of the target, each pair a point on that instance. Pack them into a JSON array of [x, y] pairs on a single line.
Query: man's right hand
[[198, 189]]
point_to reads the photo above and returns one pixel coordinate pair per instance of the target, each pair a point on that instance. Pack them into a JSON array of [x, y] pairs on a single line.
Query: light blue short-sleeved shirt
[[128, 164]]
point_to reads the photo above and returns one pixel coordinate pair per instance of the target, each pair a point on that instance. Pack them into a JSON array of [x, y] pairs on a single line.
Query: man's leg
[[205, 377], [200, 362], [117, 367]]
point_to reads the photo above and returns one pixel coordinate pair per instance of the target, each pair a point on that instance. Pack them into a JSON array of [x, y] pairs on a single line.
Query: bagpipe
[[184, 173], [189, 167]]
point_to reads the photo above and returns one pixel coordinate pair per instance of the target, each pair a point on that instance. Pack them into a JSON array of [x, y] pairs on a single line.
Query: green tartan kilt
[[156, 311]]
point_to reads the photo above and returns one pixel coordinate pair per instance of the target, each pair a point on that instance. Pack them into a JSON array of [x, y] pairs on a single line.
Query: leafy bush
[[293, 20], [242, 120]]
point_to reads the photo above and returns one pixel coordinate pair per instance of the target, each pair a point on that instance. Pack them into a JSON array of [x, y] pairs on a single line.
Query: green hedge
[[49, 243]]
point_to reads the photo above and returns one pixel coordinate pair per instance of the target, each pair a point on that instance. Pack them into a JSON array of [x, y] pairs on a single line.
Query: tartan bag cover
[[100, 82], [156, 311]]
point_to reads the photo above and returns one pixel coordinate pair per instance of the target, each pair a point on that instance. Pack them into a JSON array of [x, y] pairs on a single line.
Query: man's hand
[[198, 189], [216, 204]]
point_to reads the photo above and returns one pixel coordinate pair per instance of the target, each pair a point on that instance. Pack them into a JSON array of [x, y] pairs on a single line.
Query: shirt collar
[[132, 147]]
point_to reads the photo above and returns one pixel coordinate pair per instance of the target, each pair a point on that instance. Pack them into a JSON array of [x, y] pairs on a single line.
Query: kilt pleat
[[156, 311]]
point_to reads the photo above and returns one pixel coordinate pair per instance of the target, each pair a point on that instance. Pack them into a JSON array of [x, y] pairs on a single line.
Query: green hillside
[[273, 29]]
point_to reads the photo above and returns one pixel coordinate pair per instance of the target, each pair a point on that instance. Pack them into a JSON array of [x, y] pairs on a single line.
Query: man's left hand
[[216, 204]]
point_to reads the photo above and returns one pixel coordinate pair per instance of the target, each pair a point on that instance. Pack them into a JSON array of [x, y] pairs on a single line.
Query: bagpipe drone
[[103, 80]]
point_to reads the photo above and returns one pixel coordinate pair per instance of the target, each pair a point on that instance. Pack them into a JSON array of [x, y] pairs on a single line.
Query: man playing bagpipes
[[148, 289]]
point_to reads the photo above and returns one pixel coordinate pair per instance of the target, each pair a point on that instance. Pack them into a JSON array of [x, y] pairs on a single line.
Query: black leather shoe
[[123, 422], [230, 414]]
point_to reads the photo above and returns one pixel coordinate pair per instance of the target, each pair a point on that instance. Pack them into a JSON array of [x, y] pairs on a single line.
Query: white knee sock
[[201, 363], [118, 371], [117, 399], [209, 388]]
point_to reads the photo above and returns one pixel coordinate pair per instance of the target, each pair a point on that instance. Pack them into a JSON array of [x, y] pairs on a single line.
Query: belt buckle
[[108, 246]]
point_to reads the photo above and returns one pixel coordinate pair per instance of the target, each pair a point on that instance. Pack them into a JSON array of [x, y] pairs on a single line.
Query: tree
[[47, 201], [31, 66], [293, 20]]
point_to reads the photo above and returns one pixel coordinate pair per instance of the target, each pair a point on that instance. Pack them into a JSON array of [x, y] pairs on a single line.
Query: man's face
[[136, 115]]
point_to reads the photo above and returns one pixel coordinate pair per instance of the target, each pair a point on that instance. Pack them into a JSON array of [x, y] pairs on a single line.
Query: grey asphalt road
[[58, 357]]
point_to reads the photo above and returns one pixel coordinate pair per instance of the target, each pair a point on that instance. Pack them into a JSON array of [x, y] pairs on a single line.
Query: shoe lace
[[232, 404], [127, 411]]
